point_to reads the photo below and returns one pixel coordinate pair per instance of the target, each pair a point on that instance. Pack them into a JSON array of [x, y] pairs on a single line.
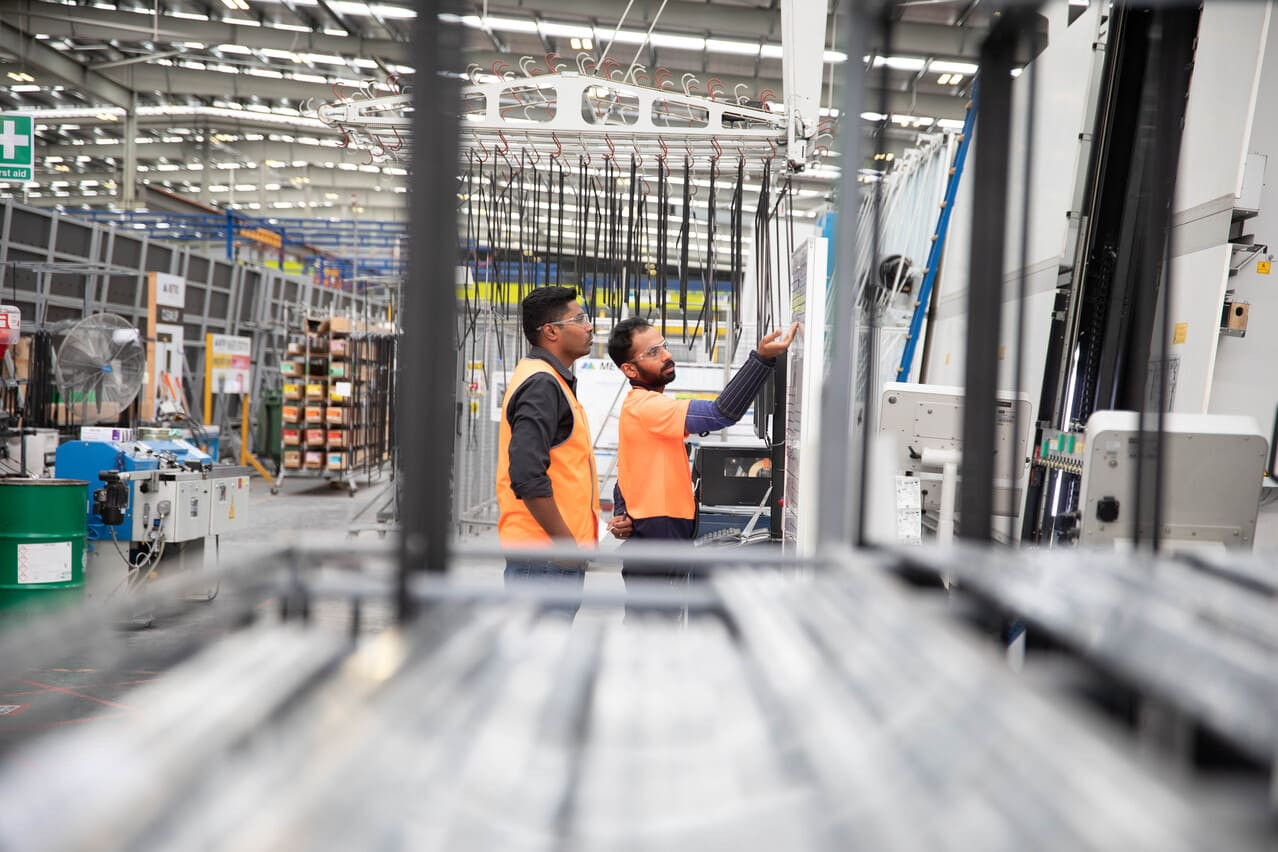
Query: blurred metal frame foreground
[[844, 710], [808, 705]]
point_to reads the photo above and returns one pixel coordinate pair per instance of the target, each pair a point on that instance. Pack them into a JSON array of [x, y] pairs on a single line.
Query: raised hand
[[772, 345]]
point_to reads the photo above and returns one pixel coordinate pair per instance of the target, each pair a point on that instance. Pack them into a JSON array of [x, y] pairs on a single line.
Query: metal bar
[[985, 280], [838, 507], [39, 55], [429, 353]]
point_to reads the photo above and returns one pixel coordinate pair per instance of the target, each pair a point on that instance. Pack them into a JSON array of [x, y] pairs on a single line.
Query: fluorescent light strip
[[943, 67]]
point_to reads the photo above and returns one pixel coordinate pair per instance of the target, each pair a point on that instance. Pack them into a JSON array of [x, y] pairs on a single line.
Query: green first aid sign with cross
[[17, 147]]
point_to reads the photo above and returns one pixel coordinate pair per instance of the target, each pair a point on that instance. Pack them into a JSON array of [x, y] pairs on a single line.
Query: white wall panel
[[1063, 72], [1243, 368], [1222, 97], [1199, 289]]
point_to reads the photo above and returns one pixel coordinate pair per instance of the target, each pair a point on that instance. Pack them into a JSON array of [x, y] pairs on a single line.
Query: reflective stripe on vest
[[571, 472]]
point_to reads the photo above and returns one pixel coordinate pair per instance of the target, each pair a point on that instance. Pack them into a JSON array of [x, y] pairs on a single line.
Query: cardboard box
[[314, 414], [291, 413], [338, 437], [337, 461], [336, 325], [338, 347], [314, 390], [338, 416], [292, 391], [339, 370], [290, 368], [314, 459], [292, 437], [295, 349], [292, 459], [314, 437], [340, 393]]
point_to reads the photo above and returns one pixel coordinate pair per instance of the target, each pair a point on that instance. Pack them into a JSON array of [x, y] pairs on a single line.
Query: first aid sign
[[17, 147]]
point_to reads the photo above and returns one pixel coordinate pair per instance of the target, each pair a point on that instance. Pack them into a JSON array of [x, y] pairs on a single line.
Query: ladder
[[938, 242]]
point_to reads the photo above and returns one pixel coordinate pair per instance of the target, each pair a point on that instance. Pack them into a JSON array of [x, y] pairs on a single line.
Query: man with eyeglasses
[[653, 498], [546, 487]]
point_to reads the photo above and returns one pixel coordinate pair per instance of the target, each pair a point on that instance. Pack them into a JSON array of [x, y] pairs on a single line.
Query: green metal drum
[[43, 525]]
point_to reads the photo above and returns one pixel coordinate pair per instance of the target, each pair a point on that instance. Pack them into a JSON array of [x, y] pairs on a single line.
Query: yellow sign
[[263, 236], [1262, 267], [1180, 332]]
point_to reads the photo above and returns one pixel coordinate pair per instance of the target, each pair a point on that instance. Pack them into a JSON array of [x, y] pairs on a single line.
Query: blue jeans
[[552, 575]]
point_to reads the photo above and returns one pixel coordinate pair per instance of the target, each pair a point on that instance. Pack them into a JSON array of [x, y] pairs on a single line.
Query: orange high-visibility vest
[[571, 471], [652, 459]]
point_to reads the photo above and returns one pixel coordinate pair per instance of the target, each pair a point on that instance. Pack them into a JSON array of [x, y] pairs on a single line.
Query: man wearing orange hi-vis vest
[[653, 498], [546, 487]]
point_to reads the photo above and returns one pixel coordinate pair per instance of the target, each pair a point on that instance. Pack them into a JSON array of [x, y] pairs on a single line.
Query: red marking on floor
[[12, 709], [28, 692], [66, 691], [45, 725], [23, 694]]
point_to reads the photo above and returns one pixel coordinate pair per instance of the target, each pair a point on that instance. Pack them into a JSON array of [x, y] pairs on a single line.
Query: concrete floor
[[90, 684]]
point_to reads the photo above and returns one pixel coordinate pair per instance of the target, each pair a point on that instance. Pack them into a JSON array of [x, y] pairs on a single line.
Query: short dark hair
[[543, 305], [623, 336]]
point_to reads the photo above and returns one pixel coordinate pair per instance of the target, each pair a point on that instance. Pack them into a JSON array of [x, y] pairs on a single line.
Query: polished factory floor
[[90, 686]]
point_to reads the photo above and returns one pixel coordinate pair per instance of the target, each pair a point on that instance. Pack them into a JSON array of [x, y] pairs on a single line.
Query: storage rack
[[337, 399]]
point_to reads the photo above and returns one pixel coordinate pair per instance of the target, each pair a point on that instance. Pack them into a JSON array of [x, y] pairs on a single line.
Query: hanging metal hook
[[585, 152], [584, 59], [524, 63], [662, 76], [553, 65], [710, 87], [612, 149], [634, 144], [479, 142], [687, 79], [742, 100], [665, 150]]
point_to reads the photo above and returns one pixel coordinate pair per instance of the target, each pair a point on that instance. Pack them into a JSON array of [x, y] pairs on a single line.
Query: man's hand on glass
[[772, 345]]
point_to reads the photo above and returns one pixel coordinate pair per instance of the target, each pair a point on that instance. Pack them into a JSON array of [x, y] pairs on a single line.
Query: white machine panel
[[190, 515], [1212, 478], [930, 417], [228, 509]]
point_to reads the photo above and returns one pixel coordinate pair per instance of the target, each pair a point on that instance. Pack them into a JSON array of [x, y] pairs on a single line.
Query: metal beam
[[85, 22], [39, 56]]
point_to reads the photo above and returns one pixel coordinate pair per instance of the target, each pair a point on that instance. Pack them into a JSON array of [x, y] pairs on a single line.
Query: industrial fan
[[100, 368]]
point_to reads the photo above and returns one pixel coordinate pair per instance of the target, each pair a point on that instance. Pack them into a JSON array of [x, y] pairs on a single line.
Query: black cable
[[559, 256], [683, 248], [663, 204]]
